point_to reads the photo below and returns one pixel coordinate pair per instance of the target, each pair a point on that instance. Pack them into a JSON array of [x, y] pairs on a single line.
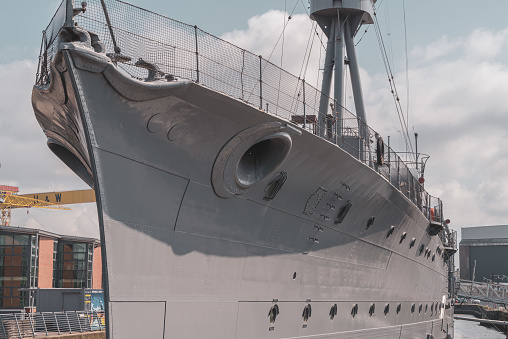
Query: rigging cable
[[391, 81], [281, 57], [274, 47], [315, 28], [305, 65], [407, 64]]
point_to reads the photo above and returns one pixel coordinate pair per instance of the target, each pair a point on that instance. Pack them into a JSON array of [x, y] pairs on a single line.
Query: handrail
[[22, 325]]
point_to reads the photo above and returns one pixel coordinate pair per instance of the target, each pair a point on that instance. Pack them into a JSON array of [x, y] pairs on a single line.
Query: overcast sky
[[458, 82]]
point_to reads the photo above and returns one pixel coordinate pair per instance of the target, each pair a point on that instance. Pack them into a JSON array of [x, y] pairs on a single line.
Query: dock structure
[[483, 291]]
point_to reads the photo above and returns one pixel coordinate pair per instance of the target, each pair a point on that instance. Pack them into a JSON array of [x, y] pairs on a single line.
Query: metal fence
[[30, 325], [149, 47]]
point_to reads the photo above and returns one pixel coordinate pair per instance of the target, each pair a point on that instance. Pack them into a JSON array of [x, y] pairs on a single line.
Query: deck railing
[[31, 325], [149, 46]]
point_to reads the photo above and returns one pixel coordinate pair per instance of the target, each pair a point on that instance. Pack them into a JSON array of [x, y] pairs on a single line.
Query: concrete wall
[[97, 269], [45, 262]]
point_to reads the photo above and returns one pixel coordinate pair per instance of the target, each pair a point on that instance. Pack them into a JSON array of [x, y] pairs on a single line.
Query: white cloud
[[484, 44], [440, 48]]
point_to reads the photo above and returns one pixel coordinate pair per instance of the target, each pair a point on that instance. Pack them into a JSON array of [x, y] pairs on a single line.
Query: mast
[[340, 20]]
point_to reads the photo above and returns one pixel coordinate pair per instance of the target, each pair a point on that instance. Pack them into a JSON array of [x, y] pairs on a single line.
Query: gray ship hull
[[192, 249]]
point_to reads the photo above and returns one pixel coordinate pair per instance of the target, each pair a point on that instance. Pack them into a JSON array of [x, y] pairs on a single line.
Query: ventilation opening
[[275, 185], [354, 310], [71, 161], [343, 212], [333, 311], [261, 159], [273, 313], [307, 312]]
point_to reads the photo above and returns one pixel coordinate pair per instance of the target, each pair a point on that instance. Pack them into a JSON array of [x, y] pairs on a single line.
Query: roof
[[484, 232], [34, 231]]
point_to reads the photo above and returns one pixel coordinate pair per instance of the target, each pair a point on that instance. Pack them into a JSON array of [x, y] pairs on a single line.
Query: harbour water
[[472, 330]]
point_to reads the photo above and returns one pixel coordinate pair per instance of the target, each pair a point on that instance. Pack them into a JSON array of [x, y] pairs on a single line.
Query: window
[[72, 266], [17, 266]]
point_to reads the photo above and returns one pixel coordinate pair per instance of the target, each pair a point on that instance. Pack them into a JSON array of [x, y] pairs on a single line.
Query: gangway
[[484, 291]]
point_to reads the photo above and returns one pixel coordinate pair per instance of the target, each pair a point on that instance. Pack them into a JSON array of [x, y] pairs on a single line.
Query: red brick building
[[32, 258]]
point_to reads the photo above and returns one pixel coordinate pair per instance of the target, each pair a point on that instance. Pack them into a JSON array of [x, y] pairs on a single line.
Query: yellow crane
[[10, 199], [64, 197]]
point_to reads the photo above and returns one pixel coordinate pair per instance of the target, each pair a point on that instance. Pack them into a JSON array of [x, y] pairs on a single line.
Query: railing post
[[89, 321], [441, 209], [398, 173], [68, 323], [56, 322], [409, 180], [31, 325], [98, 320], [389, 162], [69, 15], [79, 322], [17, 325], [44, 322], [304, 114], [3, 327], [40, 58], [197, 53], [260, 83], [241, 73], [427, 203]]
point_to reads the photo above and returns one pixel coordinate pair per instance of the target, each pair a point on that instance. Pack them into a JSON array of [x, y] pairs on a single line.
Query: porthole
[[343, 212], [333, 311], [294, 276], [402, 237], [412, 243], [413, 307], [354, 310], [420, 308], [372, 309], [422, 247], [307, 312], [399, 307], [273, 313], [370, 222], [387, 309], [426, 308], [390, 231]]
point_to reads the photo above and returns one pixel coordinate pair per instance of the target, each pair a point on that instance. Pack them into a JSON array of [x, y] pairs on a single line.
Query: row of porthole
[[428, 252], [343, 211], [307, 310]]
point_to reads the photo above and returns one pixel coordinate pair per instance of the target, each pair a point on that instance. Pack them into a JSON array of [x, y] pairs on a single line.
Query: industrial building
[[33, 258], [488, 247]]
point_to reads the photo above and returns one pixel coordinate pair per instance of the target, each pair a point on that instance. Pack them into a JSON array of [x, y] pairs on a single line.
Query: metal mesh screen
[[174, 49]]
